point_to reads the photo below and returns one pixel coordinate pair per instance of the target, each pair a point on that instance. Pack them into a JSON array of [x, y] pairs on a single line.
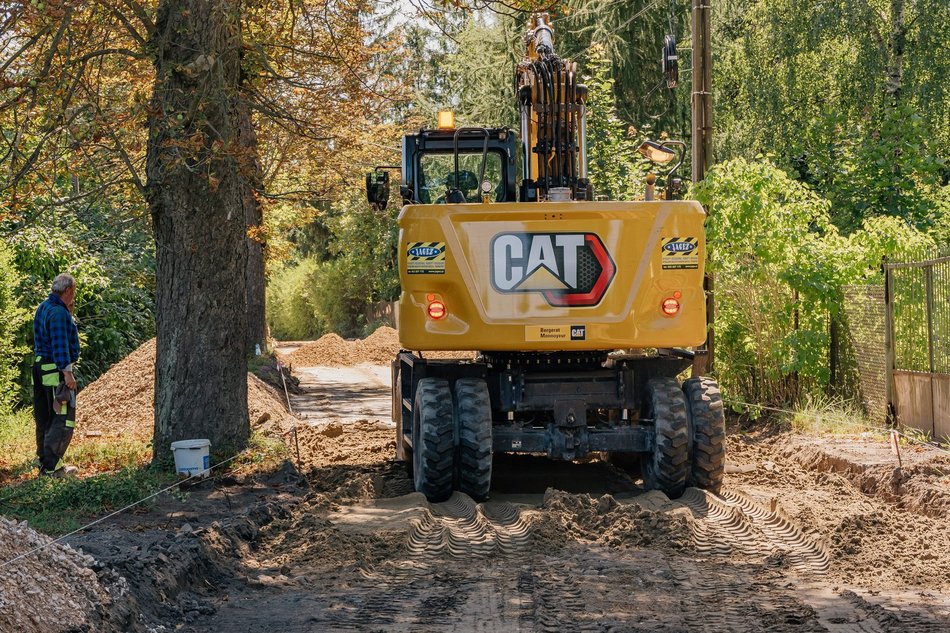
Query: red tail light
[[670, 306], [436, 309]]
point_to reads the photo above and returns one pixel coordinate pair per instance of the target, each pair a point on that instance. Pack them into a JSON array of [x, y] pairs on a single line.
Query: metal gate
[[917, 298]]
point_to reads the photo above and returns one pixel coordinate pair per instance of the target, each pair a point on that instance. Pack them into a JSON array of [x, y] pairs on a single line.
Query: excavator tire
[[433, 439], [707, 422], [667, 468], [473, 414]]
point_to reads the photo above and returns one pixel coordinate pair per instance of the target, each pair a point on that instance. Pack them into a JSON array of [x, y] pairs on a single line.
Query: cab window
[[437, 173]]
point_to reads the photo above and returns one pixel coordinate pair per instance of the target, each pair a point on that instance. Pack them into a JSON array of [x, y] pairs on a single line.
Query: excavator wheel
[[666, 469], [707, 426], [473, 414], [433, 439]]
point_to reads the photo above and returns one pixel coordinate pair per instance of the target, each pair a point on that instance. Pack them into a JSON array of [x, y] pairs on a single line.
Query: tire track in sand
[[733, 521], [805, 553], [461, 528], [721, 529]]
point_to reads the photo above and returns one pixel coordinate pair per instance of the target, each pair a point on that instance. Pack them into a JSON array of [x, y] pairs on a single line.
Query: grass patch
[[265, 453], [58, 506], [17, 445], [825, 416], [114, 473], [91, 456]]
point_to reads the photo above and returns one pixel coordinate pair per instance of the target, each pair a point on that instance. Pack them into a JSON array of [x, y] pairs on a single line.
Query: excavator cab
[[464, 165]]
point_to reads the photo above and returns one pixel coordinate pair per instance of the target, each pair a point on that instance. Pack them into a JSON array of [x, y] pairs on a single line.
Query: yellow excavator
[[583, 312]]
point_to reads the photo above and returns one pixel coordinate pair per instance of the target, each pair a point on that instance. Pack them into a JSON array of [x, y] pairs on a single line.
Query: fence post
[[833, 355], [929, 278], [890, 414]]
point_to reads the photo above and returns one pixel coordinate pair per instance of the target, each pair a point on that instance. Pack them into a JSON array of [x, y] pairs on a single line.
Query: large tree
[[197, 189], [247, 106]]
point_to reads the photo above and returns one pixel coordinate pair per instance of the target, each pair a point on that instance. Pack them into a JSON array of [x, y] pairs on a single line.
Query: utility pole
[[702, 88], [702, 122]]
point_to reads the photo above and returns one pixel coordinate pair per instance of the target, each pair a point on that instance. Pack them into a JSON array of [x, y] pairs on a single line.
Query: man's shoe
[[61, 472]]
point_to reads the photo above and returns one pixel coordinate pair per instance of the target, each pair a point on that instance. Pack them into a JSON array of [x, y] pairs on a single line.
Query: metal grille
[[588, 270], [864, 323]]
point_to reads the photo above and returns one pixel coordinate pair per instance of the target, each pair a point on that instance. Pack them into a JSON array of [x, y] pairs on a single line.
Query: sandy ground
[[790, 545], [806, 536]]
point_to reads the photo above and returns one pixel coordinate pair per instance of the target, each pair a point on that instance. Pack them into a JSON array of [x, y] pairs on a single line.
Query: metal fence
[[859, 359], [917, 297]]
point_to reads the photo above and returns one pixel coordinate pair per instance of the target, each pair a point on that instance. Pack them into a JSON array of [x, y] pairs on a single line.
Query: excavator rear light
[[436, 310], [446, 120], [670, 306]]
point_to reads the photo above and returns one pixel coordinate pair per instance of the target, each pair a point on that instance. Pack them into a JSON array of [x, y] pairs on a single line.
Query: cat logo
[[567, 269]]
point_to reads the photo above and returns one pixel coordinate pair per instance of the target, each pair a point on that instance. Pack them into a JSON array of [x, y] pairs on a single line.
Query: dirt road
[[342, 543]]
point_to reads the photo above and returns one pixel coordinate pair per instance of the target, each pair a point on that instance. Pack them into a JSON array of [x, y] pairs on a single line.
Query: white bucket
[[192, 457]]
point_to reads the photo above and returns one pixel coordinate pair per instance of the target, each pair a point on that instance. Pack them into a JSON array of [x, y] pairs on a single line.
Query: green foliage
[[630, 34], [780, 265], [310, 297], [57, 506], [849, 95], [114, 274], [12, 319], [291, 314], [615, 167]]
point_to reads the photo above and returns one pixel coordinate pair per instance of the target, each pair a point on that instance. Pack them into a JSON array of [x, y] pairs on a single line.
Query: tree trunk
[[254, 216], [197, 191], [896, 44]]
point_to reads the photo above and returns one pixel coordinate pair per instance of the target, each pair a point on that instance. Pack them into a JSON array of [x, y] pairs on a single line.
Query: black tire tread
[[434, 449], [668, 467], [708, 429], [473, 413]]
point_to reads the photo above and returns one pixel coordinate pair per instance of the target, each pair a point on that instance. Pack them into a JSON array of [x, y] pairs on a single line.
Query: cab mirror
[[377, 188]]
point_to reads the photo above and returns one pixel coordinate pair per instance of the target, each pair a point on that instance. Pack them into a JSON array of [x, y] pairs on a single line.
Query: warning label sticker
[[680, 253], [425, 258]]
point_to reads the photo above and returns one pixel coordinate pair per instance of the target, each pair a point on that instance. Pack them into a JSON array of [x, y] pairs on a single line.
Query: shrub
[[291, 314]]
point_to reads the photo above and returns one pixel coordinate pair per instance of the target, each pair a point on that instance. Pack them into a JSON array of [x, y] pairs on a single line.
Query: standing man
[[56, 350]]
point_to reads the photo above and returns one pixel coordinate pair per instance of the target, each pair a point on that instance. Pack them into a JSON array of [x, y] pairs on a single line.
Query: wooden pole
[[702, 117]]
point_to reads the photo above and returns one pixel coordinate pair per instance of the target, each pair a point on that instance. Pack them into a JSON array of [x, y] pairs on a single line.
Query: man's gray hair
[[62, 283]]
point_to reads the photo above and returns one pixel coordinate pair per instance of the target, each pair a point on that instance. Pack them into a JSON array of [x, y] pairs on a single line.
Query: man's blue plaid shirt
[[54, 333]]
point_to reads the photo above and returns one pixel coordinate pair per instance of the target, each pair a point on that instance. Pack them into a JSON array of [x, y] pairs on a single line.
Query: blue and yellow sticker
[[425, 258], [680, 253]]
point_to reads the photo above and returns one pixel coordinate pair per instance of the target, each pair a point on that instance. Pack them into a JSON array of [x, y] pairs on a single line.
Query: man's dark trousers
[[55, 421]]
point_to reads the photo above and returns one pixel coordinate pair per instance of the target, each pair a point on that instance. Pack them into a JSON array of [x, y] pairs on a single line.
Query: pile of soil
[[119, 404], [605, 521], [360, 443], [54, 589], [380, 347], [329, 349], [879, 535]]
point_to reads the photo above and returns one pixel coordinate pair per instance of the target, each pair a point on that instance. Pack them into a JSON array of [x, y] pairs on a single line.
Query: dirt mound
[[54, 589], [359, 443], [267, 406], [605, 521], [380, 347], [922, 485], [120, 403], [329, 349]]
